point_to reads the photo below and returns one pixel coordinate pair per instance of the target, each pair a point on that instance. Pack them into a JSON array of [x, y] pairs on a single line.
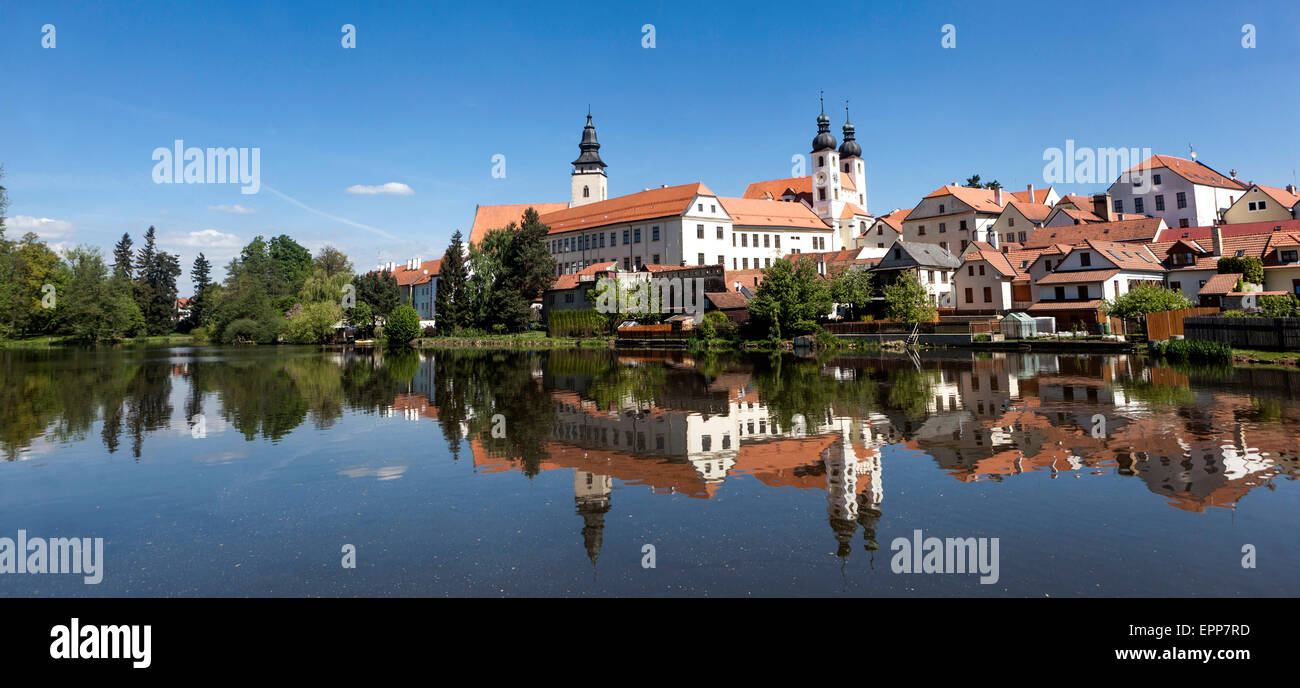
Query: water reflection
[[689, 425]]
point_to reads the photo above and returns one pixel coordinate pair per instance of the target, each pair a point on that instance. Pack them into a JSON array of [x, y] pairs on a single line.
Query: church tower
[[852, 166], [828, 200], [589, 180]]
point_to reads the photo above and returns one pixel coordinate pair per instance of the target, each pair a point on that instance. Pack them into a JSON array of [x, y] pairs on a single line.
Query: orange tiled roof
[[1201, 233], [1144, 229], [428, 269], [749, 212], [1192, 170], [851, 210], [1034, 212], [490, 217], [894, 220], [1074, 276], [1042, 306], [1040, 196], [776, 188], [1283, 197], [1221, 283], [981, 200], [642, 205], [1126, 256], [571, 280]]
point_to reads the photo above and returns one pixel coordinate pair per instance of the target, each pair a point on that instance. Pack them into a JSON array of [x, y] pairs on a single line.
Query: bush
[[403, 325], [983, 338], [313, 323], [1279, 306], [1185, 350], [804, 327], [715, 325], [248, 330], [1250, 267], [575, 323]]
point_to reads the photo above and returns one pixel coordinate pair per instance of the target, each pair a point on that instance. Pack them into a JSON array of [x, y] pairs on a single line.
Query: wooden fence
[[1162, 324], [1282, 334]]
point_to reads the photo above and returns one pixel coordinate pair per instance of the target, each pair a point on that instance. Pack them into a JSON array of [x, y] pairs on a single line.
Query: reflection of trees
[[795, 386], [910, 390], [472, 387]]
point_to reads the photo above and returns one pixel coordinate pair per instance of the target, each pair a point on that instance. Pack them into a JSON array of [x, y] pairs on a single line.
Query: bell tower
[[590, 184], [827, 198]]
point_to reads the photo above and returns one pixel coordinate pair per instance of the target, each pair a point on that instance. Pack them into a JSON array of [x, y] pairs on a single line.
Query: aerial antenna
[[1192, 149]]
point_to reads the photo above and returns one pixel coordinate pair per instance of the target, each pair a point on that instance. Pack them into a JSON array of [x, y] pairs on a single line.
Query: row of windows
[[943, 227], [586, 242], [988, 296], [1139, 204]]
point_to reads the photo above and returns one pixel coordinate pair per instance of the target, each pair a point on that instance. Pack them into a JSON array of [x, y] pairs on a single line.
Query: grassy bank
[[1276, 358], [48, 342]]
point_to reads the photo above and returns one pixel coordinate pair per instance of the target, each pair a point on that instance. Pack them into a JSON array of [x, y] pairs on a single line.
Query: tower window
[[821, 193], [821, 161], [586, 192]]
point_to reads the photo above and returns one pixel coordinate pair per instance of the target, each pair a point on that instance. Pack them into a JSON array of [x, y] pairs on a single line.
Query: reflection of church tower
[[591, 493], [841, 490]]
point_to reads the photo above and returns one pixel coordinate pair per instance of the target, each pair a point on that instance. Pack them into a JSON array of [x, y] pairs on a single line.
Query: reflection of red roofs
[[415, 402], [680, 477]]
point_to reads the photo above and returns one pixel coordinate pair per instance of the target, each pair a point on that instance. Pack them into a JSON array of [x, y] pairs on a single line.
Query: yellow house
[[1263, 204]]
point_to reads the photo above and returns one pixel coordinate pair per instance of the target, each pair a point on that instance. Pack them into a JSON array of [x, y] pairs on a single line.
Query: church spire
[[850, 147], [590, 148], [824, 139]]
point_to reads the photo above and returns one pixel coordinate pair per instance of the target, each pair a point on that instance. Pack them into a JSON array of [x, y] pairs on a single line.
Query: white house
[[1090, 273], [1186, 193]]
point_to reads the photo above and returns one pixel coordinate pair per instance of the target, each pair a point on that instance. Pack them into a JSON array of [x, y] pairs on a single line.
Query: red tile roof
[[427, 270], [1221, 283], [1127, 256], [1144, 229], [490, 217], [1034, 212], [727, 299], [776, 188], [1040, 196], [643, 205], [981, 200], [1075, 276], [1048, 306], [749, 212], [1191, 170], [571, 280]]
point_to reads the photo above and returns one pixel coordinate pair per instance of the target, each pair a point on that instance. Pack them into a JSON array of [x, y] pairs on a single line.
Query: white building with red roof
[[1186, 193]]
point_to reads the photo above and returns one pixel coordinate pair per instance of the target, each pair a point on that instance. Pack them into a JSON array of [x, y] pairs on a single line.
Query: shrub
[[1250, 267], [804, 327], [403, 325], [247, 330], [715, 325], [1187, 350], [313, 323], [1279, 306], [983, 338], [575, 323]]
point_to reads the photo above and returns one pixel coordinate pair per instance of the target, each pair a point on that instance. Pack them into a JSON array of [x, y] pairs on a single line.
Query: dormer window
[[1289, 256]]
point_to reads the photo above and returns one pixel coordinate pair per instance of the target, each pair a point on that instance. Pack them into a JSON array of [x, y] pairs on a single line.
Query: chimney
[[1030, 189], [1102, 207], [1290, 188], [1218, 241], [997, 197]]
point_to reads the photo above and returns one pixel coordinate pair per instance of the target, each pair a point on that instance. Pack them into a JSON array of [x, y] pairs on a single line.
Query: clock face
[[821, 177]]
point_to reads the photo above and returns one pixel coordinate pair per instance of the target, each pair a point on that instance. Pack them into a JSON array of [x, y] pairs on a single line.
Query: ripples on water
[[214, 471]]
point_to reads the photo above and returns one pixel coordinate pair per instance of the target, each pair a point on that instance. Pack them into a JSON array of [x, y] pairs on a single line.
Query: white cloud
[[207, 239], [394, 188], [236, 209], [43, 226]]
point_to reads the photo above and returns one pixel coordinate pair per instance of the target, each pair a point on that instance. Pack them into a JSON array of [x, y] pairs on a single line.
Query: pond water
[[249, 472]]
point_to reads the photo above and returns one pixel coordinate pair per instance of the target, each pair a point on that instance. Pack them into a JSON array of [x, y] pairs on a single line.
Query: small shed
[[1018, 326]]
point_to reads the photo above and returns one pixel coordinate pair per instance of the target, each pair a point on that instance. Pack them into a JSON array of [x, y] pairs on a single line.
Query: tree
[[379, 289], [26, 267], [313, 323], [973, 181], [451, 308], [97, 308], [853, 289], [511, 268], [4, 203], [156, 273], [332, 262], [789, 293], [291, 265], [145, 257], [201, 276], [361, 317], [907, 300], [1251, 268], [1279, 305], [123, 263], [1145, 298], [402, 326]]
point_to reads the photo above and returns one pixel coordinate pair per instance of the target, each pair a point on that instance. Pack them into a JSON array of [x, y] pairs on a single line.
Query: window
[[1083, 292], [940, 207], [722, 260], [568, 298], [970, 295], [636, 235], [1119, 205], [821, 161], [929, 276], [586, 192], [943, 245], [613, 238], [1182, 224], [943, 276], [943, 227], [735, 264], [964, 244], [963, 225], [699, 232], [713, 208], [767, 262], [701, 206], [701, 258], [1060, 293], [1160, 202], [767, 240], [821, 193], [1179, 285], [1022, 237], [744, 263], [1011, 222], [602, 240], [654, 233], [1155, 179], [720, 233], [1085, 259], [655, 259], [1137, 205], [988, 294], [755, 241], [1048, 264], [625, 263], [981, 269], [625, 235], [898, 253], [920, 230], [970, 270], [744, 240], [880, 230], [778, 241], [1288, 256], [1182, 200]]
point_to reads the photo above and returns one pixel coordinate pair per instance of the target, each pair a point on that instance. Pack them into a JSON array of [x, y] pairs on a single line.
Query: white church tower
[[828, 199], [852, 166], [589, 181]]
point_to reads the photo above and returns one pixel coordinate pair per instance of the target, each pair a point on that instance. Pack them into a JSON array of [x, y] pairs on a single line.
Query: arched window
[[821, 161], [586, 192]]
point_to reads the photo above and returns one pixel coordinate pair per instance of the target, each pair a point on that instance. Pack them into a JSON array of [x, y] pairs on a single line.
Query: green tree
[[1143, 299], [853, 289], [97, 308], [402, 326], [1251, 268], [313, 323], [379, 289], [451, 307], [156, 273], [907, 300], [361, 317], [123, 263], [26, 267], [1279, 305], [201, 276], [511, 268], [789, 293], [332, 262], [291, 265]]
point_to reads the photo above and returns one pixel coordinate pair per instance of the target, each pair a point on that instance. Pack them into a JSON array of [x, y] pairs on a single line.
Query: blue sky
[[727, 95]]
